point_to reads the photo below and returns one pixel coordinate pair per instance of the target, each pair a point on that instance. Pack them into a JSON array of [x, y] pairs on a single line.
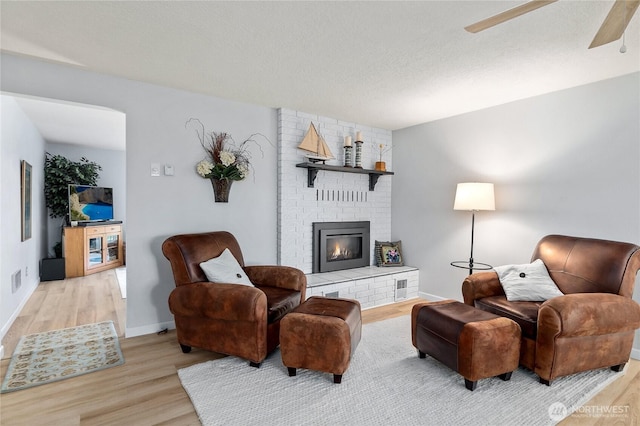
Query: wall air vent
[[400, 290]]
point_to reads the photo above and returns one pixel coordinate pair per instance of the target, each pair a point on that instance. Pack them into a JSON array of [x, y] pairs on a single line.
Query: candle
[[347, 141], [359, 136]]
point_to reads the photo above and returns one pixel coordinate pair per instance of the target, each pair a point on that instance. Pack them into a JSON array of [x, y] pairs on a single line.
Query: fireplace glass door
[[340, 245], [343, 247]]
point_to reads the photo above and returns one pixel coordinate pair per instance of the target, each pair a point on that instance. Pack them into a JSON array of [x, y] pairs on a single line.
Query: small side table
[[471, 265]]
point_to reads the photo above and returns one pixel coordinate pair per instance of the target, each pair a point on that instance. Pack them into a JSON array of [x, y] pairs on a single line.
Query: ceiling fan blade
[[616, 22], [507, 15]]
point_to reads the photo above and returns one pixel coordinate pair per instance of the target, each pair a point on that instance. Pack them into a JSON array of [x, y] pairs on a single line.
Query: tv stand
[[100, 223], [92, 248]]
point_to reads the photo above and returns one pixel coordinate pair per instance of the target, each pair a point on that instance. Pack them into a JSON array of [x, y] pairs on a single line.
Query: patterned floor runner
[[55, 355]]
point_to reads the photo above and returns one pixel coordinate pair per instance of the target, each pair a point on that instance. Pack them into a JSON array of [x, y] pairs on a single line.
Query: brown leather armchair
[[230, 319], [591, 326]]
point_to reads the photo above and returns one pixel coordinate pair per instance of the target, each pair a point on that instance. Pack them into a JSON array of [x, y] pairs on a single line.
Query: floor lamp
[[473, 196]]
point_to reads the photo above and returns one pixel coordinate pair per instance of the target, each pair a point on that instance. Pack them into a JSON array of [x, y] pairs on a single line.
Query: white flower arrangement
[[224, 161], [204, 168]]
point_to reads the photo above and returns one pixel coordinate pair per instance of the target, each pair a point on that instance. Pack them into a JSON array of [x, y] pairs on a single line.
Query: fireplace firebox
[[340, 245]]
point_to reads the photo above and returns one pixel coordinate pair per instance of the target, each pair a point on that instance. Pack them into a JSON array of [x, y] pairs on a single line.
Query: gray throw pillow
[[527, 283]]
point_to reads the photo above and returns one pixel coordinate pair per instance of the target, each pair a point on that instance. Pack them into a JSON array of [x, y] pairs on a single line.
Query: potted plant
[[59, 172]]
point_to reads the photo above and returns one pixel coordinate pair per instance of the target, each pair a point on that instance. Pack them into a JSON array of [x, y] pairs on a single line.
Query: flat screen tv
[[90, 203]]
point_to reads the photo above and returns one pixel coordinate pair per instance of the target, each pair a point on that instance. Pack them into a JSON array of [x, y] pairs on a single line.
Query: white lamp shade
[[474, 196]]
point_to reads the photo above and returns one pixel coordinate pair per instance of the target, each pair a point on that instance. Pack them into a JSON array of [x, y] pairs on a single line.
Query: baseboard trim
[[20, 307], [389, 303], [148, 329], [430, 296]]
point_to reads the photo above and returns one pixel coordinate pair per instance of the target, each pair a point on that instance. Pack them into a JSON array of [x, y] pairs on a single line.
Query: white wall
[[112, 175], [20, 140], [158, 207], [567, 162]]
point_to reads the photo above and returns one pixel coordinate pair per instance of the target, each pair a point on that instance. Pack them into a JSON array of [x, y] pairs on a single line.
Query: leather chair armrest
[[277, 276], [587, 314], [479, 285], [233, 302]]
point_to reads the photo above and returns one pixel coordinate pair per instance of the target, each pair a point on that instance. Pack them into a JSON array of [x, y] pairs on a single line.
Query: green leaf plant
[[59, 172]]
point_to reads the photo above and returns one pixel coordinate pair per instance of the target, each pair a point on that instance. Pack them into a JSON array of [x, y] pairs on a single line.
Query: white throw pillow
[[225, 269], [529, 282]]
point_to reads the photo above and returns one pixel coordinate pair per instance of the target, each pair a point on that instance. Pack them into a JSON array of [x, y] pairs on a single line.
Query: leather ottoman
[[474, 343], [321, 334]]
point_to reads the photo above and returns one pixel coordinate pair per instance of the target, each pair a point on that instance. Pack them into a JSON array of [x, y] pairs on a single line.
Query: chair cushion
[[280, 301], [524, 313], [528, 282]]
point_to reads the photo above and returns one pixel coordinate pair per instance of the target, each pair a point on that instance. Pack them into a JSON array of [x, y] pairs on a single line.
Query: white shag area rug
[[386, 384], [121, 275]]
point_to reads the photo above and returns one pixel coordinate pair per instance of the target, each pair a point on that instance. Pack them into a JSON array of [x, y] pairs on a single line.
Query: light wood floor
[[68, 303], [146, 389]]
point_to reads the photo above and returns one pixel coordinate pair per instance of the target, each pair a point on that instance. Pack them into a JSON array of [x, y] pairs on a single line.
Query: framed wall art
[[25, 198]]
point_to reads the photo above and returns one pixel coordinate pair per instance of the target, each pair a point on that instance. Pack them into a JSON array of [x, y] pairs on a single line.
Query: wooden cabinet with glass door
[[92, 249]]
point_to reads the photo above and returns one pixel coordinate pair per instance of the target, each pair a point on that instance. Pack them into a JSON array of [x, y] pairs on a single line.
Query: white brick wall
[[369, 290], [336, 196]]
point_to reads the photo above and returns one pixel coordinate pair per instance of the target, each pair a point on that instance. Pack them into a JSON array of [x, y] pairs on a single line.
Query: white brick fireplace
[[336, 196]]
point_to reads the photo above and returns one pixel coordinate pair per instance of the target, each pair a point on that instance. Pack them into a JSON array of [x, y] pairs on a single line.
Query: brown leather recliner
[[591, 326], [230, 319]]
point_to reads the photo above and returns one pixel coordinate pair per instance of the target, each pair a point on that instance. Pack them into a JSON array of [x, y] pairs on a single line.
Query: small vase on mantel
[[381, 166], [221, 188]]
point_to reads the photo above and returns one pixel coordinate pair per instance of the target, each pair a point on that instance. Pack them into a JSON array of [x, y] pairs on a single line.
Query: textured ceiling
[[385, 64]]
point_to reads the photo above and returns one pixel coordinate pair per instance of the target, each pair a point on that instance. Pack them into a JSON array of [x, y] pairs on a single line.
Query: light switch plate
[[168, 170], [155, 169]]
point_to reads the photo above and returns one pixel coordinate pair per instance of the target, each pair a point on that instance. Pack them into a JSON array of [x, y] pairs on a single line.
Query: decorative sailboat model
[[316, 147]]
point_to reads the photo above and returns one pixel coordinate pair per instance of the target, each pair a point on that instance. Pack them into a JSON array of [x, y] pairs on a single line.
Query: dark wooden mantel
[[314, 168]]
